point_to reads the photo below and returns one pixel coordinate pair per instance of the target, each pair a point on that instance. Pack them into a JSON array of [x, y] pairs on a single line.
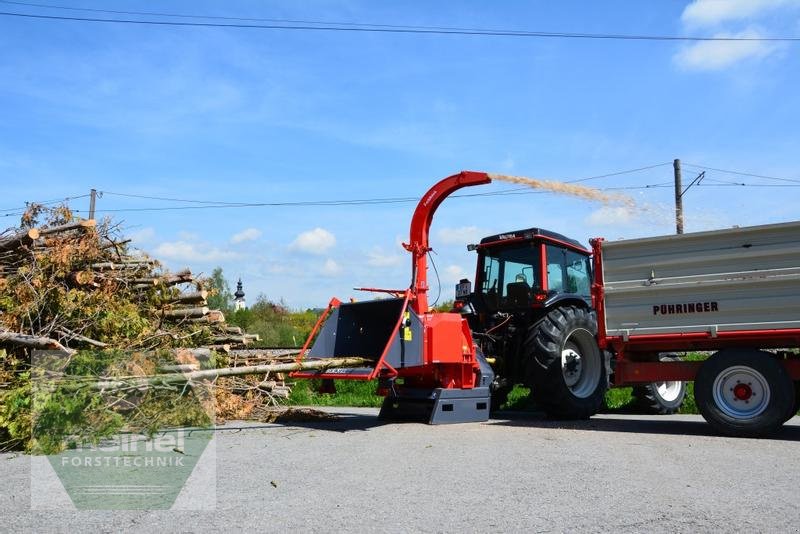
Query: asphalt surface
[[617, 473]]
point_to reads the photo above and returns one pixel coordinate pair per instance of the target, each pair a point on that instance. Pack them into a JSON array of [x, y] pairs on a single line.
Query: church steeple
[[238, 301]]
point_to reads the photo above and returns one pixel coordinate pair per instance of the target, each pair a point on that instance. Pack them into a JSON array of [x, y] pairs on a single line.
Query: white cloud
[[610, 216], [712, 12], [331, 268], [195, 252], [183, 235], [142, 236], [378, 258], [463, 235], [716, 55], [248, 234], [316, 241], [453, 274]]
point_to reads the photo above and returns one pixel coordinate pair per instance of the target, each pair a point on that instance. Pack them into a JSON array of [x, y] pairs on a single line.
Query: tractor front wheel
[[567, 371], [661, 398]]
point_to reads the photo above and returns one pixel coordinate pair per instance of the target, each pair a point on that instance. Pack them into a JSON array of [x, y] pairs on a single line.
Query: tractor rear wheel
[[744, 392], [661, 398], [567, 371]]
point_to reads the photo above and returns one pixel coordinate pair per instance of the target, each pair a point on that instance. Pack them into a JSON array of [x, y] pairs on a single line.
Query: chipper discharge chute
[[426, 363]]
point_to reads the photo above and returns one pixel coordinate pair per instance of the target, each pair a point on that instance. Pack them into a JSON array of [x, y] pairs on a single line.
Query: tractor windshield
[[508, 276]]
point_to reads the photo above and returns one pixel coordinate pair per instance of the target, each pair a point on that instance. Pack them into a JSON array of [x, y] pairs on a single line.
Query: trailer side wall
[[738, 279]]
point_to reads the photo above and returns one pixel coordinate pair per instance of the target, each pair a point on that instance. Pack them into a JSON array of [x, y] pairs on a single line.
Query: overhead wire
[[209, 204], [740, 173], [46, 202], [354, 27]]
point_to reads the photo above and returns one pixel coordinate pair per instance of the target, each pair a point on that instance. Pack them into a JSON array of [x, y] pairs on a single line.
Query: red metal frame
[[418, 243], [448, 354], [334, 303]]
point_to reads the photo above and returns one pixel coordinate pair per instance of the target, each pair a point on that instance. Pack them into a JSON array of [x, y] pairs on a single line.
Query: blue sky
[[246, 115]]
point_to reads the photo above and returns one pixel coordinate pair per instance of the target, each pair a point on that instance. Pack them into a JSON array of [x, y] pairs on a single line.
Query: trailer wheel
[[661, 398], [566, 368], [744, 392]]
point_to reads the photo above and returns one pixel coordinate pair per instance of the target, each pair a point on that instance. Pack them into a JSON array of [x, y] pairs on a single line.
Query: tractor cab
[[527, 270]]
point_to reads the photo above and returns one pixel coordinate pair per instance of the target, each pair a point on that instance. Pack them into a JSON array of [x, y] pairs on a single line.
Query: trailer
[[570, 322], [733, 292]]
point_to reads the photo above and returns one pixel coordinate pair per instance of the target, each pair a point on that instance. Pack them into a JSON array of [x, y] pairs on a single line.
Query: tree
[[222, 297]]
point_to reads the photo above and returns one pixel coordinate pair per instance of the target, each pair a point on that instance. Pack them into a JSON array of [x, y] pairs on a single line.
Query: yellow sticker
[[407, 334]]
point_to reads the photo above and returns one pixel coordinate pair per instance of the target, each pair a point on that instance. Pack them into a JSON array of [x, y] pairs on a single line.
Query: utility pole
[[93, 198], [678, 197]]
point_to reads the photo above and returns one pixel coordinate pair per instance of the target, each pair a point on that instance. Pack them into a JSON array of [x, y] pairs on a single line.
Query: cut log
[[140, 282], [184, 355], [233, 340], [216, 316], [115, 244], [33, 342], [186, 313], [119, 266], [212, 374], [20, 239], [180, 368], [78, 225], [181, 277], [236, 330], [73, 336], [104, 266], [224, 349], [211, 318], [198, 297], [137, 261], [81, 278]]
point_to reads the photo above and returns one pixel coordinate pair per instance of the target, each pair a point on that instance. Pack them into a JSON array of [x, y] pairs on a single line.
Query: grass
[[362, 394], [348, 393]]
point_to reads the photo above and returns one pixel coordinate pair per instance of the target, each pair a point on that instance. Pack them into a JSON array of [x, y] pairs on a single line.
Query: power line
[[619, 173], [323, 203], [398, 199], [46, 202], [244, 19], [738, 173], [130, 195], [405, 30]]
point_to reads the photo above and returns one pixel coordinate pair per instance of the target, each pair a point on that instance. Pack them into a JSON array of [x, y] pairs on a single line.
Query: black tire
[[660, 398], [566, 369], [744, 392]]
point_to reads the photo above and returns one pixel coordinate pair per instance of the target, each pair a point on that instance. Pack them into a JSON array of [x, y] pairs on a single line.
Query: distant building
[[238, 300]]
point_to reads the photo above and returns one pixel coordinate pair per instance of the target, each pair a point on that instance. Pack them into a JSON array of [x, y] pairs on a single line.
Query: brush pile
[[75, 287]]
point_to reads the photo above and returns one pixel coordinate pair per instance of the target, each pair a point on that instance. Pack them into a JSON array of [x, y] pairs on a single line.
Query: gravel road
[[613, 473]]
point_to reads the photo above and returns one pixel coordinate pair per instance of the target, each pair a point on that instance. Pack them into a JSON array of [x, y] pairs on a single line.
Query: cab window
[[509, 276], [567, 272]]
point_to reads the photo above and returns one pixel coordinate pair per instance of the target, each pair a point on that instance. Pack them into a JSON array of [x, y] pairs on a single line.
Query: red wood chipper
[[426, 363]]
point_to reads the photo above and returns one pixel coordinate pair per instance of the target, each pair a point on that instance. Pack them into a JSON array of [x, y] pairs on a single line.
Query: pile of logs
[[179, 311]]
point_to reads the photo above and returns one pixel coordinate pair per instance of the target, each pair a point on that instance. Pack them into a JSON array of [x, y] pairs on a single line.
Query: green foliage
[[45, 415], [618, 398], [15, 414], [64, 419], [274, 323], [221, 297]]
